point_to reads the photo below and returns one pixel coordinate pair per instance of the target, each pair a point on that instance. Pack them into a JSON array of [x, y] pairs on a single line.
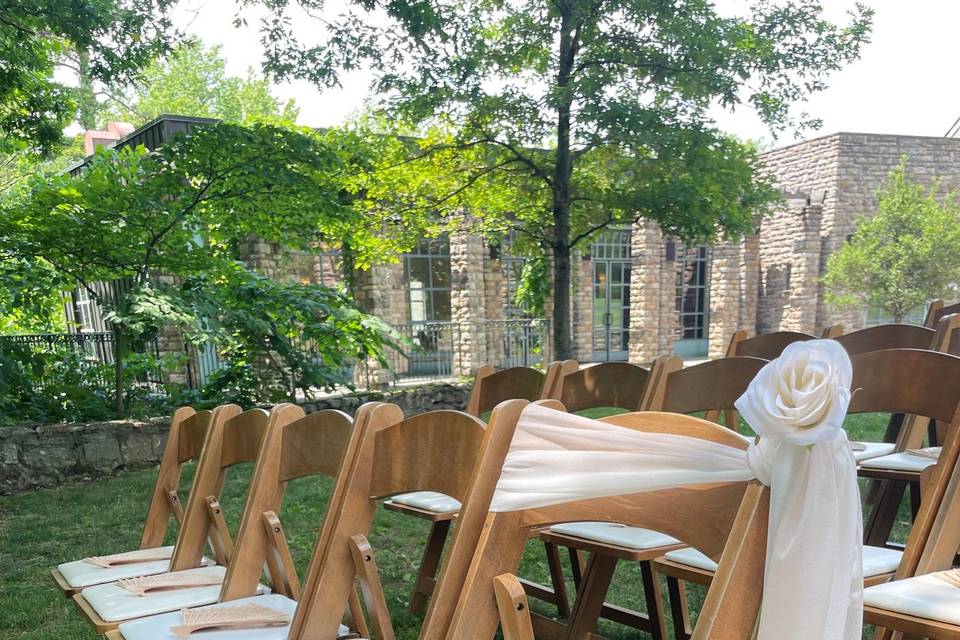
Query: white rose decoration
[[802, 396]]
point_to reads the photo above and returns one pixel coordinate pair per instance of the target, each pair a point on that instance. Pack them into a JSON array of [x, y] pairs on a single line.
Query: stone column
[[651, 290], [582, 301], [467, 304], [381, 291], [495, 301], [790, 268], [733, 291]]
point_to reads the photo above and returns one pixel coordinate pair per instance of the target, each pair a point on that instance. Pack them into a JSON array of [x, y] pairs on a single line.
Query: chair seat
[[80, 574], [925, 596], [616, 534], [903, 461], [867, 450], [158, 627], [115, 604], [428, 501], [876, 560]]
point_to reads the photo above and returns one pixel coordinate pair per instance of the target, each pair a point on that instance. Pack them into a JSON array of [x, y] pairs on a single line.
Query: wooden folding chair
[[608, 385], [710, 386], [105, 606], [490, 388], [188, 430], [770, 345], [617, 385], [737, 511], [905, 381], [925, 602]]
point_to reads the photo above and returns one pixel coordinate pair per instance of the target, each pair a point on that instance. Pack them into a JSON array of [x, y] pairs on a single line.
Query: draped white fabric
[[813, 586]]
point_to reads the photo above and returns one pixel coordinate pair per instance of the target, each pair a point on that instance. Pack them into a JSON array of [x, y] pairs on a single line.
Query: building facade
[[636, 293]]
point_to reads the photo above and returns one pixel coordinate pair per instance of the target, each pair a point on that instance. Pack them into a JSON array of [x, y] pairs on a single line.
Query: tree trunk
[[87, 107], [562, 178], [118, 336]]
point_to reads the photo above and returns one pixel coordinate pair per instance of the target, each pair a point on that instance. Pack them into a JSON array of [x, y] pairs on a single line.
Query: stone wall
[[46, 456], [842, 172]]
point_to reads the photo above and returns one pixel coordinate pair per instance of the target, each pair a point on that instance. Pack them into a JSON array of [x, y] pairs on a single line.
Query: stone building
[[638, 294]]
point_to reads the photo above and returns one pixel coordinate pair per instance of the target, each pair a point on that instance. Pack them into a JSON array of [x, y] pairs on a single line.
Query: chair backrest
[[436, 451], [298, 446], [491, 387], [936, 310], [922, 383], [767, 345], [237, 441], [188, 428], [710, 386], [608, 384], [463, 605], [887, 336]]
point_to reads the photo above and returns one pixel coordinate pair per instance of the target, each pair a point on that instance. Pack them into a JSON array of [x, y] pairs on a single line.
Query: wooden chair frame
[[185, 439], [939, 552], [437, 451], [710, 386], [880, 378], [702, 516], [490, 388], [238, 440]]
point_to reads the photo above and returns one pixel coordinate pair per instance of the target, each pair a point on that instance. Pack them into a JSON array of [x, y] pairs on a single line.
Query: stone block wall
[[653, 318], [47, 456], [467, 305], [733, 299], [842, 173]]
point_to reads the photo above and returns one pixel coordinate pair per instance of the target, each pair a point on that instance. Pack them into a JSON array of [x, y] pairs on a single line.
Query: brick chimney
[[115, 131]]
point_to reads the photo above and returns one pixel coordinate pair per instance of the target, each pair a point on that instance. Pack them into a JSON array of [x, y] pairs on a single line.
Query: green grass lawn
[[40, 529]]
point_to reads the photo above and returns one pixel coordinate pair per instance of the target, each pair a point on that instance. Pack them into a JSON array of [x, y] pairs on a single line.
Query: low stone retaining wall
[[45, 456]]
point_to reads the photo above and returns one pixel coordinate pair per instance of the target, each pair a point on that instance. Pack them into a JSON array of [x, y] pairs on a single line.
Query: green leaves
[[904, 255], [116, 38]]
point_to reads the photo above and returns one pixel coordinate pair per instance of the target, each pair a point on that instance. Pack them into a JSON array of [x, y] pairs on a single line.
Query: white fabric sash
[[813, 582]]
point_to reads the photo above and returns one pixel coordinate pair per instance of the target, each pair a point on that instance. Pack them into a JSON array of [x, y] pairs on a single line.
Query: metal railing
[[431, 356], [94, 351], [521, 342]]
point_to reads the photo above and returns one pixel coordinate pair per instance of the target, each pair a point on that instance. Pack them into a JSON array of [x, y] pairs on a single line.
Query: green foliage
[[116, 37], [280, 338], [194, 82], [904, 255], [40, 384], [561, 118], [181, 212]]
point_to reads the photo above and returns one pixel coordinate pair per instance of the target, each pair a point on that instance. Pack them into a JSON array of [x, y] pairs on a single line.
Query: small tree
[[901, 257], [179, 211]]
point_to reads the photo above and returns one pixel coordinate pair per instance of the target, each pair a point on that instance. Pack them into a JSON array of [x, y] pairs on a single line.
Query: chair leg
[[423, 586], [884, 513], [556, 579], [590, 596], [679, 610], [578, 565], [654, 599]]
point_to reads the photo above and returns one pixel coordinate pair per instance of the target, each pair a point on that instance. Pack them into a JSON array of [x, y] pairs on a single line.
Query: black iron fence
[[92, 353], [435, 351]]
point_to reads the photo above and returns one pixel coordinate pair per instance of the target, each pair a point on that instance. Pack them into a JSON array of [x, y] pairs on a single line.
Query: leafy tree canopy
[[115, 37], [903, 256], [565, 116], [194, 82], [181, 211]]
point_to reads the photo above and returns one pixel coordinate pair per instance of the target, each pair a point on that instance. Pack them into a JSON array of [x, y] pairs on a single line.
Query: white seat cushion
[[866, 450], [115, 604], [158, 627], [692, 558], [926, 597], [428, 501], [81, 573], [876, 560], [615, 533], [904, 461]]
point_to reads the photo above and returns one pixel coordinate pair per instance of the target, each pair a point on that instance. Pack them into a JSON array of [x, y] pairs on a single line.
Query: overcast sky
[[906, 82]]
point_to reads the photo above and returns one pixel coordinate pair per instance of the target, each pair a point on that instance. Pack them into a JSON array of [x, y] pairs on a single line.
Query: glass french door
[[610, 256], [693, 301]]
